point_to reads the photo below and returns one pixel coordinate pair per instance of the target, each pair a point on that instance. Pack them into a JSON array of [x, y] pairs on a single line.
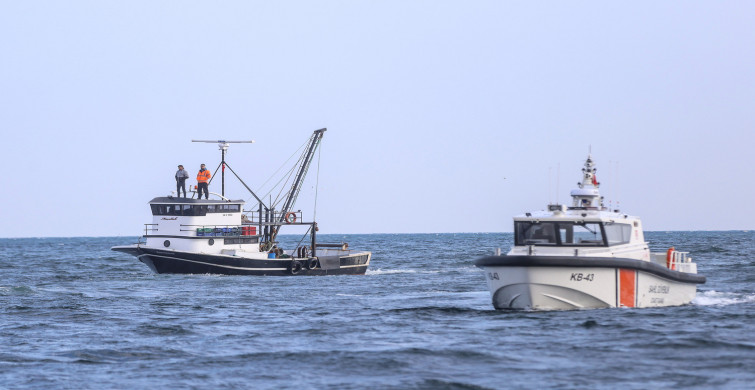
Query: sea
[[76, 315]]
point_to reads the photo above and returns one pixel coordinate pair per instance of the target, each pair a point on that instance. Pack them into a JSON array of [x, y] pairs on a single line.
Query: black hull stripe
[[155, 257], [173, 265], [585, 262], [162, 261]]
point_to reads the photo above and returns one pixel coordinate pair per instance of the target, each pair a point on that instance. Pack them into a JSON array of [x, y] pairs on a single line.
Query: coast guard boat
[[217, 236], [586, 256]]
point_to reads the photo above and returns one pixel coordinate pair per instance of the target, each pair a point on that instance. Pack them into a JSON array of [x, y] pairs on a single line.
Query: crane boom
[[309, 153]]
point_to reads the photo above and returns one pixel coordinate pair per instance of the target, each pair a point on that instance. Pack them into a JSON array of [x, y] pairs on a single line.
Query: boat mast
[[314, 142]]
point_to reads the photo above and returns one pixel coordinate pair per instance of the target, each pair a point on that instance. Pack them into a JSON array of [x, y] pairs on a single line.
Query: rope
[[281, 195], [276, 172], [287, 177], [302, 239], [317, 182]]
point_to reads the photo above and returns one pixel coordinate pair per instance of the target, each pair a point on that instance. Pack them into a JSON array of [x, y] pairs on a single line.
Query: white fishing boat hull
[[542, 287]]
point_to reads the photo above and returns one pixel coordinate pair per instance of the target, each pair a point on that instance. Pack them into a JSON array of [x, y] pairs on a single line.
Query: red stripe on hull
[[627, 285]]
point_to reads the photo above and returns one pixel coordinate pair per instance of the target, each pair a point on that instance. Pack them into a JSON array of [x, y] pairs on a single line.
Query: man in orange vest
[[203, 177]]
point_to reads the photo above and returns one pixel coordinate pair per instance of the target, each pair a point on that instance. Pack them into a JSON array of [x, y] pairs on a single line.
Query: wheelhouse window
[[224, 208], [529, 233], [179, 209], [618, 233], [571, 233]]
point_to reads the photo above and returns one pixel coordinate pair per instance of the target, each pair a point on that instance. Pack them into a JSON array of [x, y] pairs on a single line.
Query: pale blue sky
[[442, 116]]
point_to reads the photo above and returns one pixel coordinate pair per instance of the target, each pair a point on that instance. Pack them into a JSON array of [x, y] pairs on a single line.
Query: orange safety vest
[[203, 176]]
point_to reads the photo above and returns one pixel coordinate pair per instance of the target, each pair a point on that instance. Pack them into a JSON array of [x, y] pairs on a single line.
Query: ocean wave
[[16, 290], [717, 298], [381, 271]]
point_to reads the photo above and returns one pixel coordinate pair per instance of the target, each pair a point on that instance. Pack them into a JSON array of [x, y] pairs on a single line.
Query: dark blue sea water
[[75, 315]]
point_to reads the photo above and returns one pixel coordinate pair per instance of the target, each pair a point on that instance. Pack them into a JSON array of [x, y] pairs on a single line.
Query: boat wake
[[719, 298]]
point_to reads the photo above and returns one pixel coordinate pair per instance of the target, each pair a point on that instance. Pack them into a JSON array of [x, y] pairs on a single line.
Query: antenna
[[558, 183], [550, 198], [223, 146], [618, 207], [610, 191]]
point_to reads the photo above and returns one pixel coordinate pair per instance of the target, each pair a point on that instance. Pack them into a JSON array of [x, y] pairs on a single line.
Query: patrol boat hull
[[567, 283], [177, 262]]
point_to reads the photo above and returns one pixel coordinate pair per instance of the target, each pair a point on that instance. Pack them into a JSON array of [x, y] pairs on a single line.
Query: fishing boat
[[217, 236], [586, 256]]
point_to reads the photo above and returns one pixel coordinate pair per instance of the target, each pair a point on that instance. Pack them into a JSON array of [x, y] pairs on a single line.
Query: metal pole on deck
[[314, 240]]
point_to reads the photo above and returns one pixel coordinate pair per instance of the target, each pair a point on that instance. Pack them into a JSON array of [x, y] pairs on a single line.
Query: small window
[[618, 233]]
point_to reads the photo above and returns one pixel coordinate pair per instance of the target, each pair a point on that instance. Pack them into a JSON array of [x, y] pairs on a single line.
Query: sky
[[442, 116]]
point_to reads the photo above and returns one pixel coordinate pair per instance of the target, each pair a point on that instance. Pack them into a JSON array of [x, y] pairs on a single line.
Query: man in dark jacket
[[181, 176]]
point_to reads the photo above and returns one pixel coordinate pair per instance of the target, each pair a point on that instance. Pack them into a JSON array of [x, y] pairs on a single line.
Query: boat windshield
[[567, 233]]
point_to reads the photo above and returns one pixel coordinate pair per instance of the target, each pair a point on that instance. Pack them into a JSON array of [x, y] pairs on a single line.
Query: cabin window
[[559, 233], [618, 233], [586, 234], [179, 209], [530, 233], [229, 208], [224, 208]]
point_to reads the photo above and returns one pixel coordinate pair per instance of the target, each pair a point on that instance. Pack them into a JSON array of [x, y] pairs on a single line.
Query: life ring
[[670, 258], [312, 263], [295, 267], [290, 217]]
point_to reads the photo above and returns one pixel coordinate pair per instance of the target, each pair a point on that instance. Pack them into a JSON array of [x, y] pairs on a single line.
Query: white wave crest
[[717, 298], [380, 271]]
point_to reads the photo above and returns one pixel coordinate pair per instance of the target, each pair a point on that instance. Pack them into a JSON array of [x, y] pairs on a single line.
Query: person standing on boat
[[203, 178], [181, 176]]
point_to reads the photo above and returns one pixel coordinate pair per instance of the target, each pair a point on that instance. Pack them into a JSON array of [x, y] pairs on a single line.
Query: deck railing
[[210, 230], [221, 230], [149, 227], [677, 259]]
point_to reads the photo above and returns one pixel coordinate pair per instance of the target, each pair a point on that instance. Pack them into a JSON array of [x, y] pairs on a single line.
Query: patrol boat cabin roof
[[586, 223]]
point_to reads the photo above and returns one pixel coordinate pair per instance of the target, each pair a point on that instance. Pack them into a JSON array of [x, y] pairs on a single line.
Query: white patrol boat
[[586, 256], [202, 236]]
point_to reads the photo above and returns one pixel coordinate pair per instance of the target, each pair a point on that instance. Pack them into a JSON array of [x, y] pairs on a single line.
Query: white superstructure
[[586, 256], [202, 226]]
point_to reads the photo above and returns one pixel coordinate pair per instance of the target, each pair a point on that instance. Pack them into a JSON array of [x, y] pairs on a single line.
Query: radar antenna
[[223, 146]]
